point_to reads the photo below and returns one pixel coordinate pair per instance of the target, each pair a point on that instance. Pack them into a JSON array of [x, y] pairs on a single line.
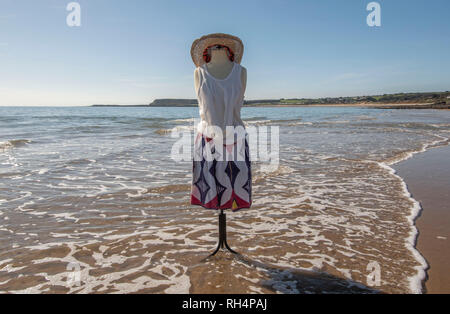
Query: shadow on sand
[[290, 280]]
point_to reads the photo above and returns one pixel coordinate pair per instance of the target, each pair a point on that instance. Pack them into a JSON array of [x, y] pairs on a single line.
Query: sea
[[92, 201]]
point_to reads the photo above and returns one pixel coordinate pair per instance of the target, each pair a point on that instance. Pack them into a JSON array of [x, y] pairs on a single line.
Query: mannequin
[[220, 184], [220, 67]]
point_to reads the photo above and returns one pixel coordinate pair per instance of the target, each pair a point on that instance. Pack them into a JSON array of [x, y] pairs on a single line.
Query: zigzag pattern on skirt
[[221, 184]]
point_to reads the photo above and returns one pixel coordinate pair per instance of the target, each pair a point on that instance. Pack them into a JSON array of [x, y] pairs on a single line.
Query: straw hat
[[200, 44]]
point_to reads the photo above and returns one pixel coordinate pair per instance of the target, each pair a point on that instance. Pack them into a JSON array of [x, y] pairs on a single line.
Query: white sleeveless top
[[220, 101]]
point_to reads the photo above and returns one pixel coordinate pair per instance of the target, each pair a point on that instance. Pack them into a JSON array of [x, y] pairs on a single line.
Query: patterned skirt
[[221, 183]]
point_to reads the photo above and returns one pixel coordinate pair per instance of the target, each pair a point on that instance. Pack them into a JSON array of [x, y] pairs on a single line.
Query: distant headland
[[437, 100]]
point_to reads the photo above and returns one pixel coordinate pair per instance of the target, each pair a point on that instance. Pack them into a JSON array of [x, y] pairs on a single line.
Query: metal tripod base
[[223, 235]]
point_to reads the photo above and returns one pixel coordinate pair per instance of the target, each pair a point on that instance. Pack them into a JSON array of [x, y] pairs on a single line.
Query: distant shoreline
[[119, 106], [369, 105], [427, 100], [362, 105]]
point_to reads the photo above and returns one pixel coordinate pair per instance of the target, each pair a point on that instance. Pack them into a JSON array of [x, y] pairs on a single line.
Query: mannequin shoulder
[[197, 73], [243, 73]]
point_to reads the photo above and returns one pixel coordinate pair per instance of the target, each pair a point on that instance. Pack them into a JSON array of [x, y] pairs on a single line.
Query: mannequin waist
[[229, 133]]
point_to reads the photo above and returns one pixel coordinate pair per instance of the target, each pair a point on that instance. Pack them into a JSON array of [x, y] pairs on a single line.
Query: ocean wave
[[163, 131], [365, 117], [13, 143], [333, 204], [420, 126], [336, 122], [183, 120], [416, 280], [268, 170], [284, 120], [441, 141], [188, 128], [255, 118]]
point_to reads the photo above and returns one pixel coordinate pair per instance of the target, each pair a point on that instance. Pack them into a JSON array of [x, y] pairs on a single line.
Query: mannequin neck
[[219, 58]]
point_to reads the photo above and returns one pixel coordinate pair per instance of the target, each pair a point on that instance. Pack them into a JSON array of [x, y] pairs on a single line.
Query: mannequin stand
[[222, 235]]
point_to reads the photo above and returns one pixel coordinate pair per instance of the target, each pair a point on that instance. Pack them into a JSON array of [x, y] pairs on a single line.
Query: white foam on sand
[[177, 280], [416, 281], [314, 211]]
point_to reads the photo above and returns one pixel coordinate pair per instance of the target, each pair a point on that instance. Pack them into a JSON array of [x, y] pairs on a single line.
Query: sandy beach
[[428, 177], [96, 204]]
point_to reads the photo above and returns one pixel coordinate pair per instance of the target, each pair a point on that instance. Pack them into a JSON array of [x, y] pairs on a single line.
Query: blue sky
[[131, 52]]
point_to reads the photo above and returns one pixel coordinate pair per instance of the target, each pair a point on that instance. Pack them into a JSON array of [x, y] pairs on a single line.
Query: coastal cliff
[[430, 100]]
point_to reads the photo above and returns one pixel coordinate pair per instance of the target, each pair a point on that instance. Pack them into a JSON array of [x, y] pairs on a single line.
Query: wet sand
[[96, 204], [428, 178]]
